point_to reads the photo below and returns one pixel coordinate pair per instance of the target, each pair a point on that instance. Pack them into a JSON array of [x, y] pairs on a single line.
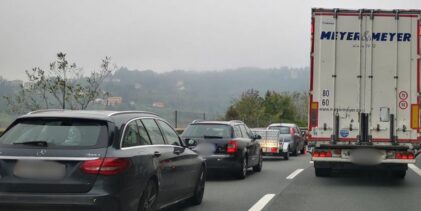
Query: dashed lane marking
[[295, 173], [311, 162], [415, 169], [262, 202]]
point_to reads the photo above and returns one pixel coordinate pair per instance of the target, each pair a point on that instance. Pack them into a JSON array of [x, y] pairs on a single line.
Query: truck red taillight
[[322, 154], [404, 155], [232, 147], [105, 166]]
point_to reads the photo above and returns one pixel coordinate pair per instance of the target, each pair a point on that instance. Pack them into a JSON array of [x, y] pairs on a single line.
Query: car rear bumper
[[81, 201], [222, 162]]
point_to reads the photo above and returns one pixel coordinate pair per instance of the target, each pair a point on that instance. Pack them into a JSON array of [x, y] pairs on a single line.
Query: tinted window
[[248, 131], [237, 131], [169, 133], [282, 129], [244, 131], [144, 138], [131, 136], [153, 131], [201, 130], [58, 133]]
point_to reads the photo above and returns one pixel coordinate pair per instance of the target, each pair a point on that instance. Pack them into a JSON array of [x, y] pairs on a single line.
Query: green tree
[[63, 85], [257, 111]]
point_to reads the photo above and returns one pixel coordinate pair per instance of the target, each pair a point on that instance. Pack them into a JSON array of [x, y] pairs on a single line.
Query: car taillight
[[232, 147], [316, 154], [105, 166], [274, 149]]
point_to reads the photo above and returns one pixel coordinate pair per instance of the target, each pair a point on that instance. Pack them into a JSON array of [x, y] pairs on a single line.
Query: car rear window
[[210, 130], [282, 129], [57, 133]]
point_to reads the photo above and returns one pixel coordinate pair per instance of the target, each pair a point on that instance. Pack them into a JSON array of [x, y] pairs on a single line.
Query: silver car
[[291, 134]]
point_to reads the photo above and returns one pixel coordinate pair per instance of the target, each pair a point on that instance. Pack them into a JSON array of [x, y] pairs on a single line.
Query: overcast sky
[[163, 35]]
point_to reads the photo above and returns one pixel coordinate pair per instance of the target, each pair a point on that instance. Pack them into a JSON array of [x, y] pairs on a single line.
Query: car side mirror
[[191, 142], [257, 136], [303, 133]]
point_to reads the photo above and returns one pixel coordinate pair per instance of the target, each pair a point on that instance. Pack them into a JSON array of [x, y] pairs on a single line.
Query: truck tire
[[322, 172], [399, 174]]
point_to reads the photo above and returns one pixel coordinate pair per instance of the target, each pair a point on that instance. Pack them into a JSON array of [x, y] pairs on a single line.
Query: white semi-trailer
[[364, 89]]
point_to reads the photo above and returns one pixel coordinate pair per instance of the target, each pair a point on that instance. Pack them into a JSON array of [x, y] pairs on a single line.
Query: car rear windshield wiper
[[206, 136], [34, 143]]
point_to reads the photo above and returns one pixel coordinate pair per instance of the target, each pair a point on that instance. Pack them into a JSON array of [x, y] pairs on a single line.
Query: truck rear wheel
[[399, 174], [323, 172]]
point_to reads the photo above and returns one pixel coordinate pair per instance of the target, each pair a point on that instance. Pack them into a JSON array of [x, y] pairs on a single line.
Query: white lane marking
[[262, 202], [295, 173], [311, 162], [415, 169]]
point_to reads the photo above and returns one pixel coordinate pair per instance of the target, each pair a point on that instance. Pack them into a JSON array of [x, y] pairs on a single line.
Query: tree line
[[273, 107]]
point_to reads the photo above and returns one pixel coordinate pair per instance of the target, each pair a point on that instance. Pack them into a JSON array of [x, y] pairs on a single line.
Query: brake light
[[411, 156], [232, 147], [322, 154], [274, 149], [404, 155], [105, 166], [329, 154]]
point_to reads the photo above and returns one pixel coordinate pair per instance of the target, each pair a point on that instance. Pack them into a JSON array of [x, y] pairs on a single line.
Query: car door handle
[[156, 154]]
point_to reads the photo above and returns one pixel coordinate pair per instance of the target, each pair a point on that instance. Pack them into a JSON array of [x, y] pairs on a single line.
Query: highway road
[[291, 185]]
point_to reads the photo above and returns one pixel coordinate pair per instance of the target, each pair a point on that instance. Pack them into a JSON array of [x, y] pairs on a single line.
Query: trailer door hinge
[[396, 14]]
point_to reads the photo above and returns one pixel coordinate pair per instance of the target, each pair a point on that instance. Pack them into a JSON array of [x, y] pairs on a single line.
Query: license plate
[[42, 170], [365, 157], [206, 148]]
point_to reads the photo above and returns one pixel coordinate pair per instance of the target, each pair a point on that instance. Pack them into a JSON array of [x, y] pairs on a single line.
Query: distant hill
[[192, 93], [209, 91]]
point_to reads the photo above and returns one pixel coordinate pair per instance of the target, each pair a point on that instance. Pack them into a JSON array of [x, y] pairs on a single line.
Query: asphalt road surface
[[291, 185]]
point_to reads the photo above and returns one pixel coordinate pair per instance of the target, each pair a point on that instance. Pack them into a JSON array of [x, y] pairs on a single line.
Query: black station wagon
[[101, 160]]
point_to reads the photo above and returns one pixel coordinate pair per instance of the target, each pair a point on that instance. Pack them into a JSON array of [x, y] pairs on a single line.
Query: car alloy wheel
[[259, 166], [243, 171], [200, 188], [149, 196]]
